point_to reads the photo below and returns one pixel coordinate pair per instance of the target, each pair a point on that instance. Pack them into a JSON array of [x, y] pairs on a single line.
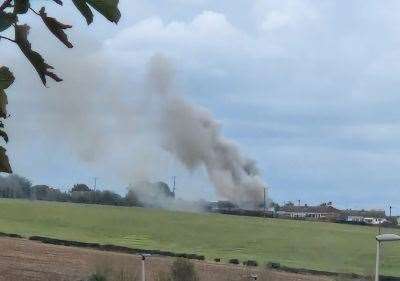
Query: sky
[[308, 89]]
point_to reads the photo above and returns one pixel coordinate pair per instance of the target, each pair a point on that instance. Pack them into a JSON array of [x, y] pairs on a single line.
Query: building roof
[[326, 209], [223, 205], [365, 214]]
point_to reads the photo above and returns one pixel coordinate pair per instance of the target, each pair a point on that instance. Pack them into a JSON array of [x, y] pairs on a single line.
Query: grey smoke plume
[[93, 121], [192, 135]]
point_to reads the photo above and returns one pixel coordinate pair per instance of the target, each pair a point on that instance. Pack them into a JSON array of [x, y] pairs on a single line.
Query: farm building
[[374, 217], [229, 208], [222, 206], [324, 211]]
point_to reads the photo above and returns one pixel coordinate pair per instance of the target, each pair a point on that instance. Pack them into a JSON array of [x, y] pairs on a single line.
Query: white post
[[143, 269], [378, 244]]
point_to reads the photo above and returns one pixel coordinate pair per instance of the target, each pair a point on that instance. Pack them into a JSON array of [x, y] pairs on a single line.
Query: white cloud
[[207, 29], [209, 43], [206, 43], [276, 19], [189, 2], [286, 14]]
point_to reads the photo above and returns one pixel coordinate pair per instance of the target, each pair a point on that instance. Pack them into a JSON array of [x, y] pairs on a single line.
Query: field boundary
[[135, 251], [114, 248], [11, 235], [333, 274]]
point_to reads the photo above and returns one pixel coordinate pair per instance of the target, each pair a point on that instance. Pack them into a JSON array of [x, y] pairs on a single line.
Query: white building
[[373, 217]]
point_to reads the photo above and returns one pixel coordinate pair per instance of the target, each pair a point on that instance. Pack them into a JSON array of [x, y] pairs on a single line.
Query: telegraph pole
[[95, 183], [265, 201], [174, 185]]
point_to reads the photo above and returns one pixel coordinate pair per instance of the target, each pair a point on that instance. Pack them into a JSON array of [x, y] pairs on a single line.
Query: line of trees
[[17, 187]]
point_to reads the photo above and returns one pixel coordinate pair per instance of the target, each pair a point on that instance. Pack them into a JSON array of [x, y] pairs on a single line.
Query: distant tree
[[81, 197], [80, 187], [163, 188], [47, 193], [275, 206], [152, 194], [10, 10], [289, 204], [132, 199], [15, 186], [40, 192], [110, 198]]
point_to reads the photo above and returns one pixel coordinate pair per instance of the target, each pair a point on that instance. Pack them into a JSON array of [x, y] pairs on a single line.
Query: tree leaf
[[4, 135], [108, 8], [6, 77], [21, 6], [3, 104], [56, 27], [42, 68], [4, 162], [84, 10], [6, 20], [59, 2]]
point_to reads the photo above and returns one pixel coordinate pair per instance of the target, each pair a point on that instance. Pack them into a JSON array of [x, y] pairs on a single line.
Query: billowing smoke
[[159, 195], [146, 123], [192, 135]]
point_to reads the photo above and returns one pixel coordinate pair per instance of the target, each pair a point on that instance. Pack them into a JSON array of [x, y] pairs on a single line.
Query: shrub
[[183, 270], [217, 260], [97, 277], [234, 261], [111, 269], [250, 263], [80, 187], [273, 265]]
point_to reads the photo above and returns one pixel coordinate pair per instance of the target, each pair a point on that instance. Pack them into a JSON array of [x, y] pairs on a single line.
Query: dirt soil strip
[[23, 260]]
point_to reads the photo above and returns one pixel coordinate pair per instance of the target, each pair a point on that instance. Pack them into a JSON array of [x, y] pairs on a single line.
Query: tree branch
[[5, 5], [9, 39], [34, 11]]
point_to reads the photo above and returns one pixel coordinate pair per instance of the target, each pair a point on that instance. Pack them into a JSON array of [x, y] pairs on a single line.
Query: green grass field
[[312, 245]]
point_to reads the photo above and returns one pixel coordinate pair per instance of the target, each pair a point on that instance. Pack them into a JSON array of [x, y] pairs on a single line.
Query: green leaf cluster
[[108, 8], [6, 79]]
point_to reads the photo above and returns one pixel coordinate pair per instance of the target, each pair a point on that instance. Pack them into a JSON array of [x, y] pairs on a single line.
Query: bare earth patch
[[23, 260]]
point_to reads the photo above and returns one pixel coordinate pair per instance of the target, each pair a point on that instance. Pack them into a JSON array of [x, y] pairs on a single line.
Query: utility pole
[[265, 201], [95, 183], [390, 211], [174, 185]]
